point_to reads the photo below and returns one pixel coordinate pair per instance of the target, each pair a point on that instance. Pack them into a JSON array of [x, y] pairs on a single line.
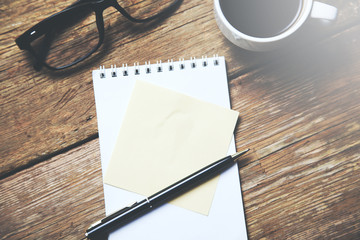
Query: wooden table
[[299, 113]]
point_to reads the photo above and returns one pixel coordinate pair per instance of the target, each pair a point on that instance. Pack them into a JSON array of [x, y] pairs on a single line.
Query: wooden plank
[[302, 191], [56, 199], [44, 112], [60, 197], [296, 90], [301, 118], [299, 182], [308, 190], [299, 114]]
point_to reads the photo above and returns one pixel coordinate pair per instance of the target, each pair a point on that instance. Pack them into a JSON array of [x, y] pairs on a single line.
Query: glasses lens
[[142, 9], [73, 36]]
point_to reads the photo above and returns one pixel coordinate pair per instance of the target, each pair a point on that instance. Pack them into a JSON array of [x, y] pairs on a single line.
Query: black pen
[[102, 228]]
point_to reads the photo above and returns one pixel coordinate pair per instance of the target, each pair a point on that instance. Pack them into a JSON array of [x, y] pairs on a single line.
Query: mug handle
[[324, 12]]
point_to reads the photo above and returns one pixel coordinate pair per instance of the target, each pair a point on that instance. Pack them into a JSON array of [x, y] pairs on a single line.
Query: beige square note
[[165, 136]]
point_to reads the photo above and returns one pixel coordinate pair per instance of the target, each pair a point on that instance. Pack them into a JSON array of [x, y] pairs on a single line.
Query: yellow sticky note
[[166, 136]]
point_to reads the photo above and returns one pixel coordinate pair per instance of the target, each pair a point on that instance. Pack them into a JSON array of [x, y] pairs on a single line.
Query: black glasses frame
[[46, 26]]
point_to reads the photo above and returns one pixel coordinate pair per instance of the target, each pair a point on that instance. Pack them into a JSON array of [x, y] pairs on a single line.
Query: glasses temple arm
[[44, 50]]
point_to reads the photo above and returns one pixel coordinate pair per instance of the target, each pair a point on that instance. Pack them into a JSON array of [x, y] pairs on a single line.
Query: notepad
[[165, 136], [204, 79]]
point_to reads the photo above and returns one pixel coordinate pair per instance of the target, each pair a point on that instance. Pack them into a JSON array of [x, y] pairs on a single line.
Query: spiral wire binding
[[182, 63], [171, 65], [204, 62], [148, 67], [193, 62], [216, 60], [102, 71], [137, 68], [125, 70], [159, 66], [113, 71]]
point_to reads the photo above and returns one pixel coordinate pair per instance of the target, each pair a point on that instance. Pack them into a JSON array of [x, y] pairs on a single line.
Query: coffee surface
[[261, 18]]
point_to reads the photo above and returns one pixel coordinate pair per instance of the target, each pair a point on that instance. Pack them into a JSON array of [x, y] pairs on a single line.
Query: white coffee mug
[[309, 9]]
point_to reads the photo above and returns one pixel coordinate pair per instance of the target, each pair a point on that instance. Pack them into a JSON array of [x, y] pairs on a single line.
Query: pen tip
[[238, 154]]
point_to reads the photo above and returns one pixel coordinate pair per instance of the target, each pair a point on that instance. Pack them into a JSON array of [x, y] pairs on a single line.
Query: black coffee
[[261, 18]]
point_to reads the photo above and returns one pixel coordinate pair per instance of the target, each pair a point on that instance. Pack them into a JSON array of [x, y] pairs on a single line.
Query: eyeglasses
[[72, 35]]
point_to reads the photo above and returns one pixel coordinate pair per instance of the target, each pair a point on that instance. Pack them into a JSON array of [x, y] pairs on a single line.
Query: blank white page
[[207, 82]]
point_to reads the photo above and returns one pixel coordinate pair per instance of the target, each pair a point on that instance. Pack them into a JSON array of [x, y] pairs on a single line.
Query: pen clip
[[94, 224], [112, 215], [119, 212]]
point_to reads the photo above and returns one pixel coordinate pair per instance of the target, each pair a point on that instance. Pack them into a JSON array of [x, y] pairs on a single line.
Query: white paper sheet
[[226, 219]]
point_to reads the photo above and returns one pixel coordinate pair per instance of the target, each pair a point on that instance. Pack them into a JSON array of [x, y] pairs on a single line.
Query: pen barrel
[[138, 209], [190, 181], [118, 219]]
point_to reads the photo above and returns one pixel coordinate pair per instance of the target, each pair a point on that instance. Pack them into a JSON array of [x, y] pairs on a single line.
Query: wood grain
[[56, 199], [302, 121], [44, 112], [299, 113]]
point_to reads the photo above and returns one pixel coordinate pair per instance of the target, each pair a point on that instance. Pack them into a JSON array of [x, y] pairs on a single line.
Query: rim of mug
[[307, 5]]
